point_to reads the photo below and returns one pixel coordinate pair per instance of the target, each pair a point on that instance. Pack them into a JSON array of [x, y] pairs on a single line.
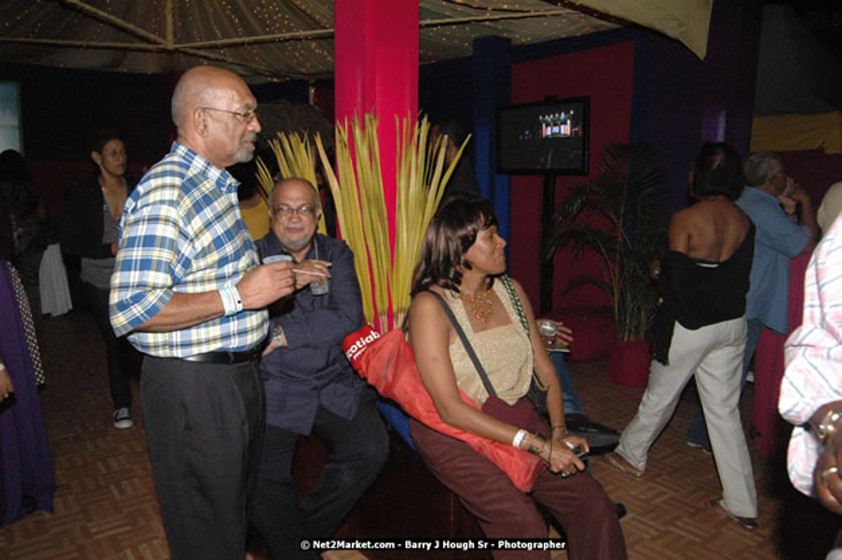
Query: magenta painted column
[[376, 68]]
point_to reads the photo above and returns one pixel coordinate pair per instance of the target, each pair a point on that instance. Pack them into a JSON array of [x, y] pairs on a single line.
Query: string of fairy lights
[[278, 38]]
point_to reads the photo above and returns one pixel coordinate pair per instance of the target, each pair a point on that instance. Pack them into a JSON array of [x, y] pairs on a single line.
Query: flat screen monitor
[[546, 137]]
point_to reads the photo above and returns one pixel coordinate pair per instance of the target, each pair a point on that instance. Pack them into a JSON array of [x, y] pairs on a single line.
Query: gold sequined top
[[505, 352]]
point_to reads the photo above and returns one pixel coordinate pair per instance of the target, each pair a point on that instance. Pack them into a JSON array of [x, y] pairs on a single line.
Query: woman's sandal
[[617, 461], [747, 523]]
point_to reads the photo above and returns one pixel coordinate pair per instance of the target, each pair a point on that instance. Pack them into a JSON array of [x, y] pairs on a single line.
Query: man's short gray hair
[[760, 167]]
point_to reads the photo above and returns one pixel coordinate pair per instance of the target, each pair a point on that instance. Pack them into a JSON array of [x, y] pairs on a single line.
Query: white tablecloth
[[55, 294]]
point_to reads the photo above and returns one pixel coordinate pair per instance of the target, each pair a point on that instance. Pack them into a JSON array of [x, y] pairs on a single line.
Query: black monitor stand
[[547, 209]]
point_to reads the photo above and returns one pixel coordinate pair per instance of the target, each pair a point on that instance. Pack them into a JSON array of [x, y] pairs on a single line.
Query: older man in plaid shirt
[[189, 292]]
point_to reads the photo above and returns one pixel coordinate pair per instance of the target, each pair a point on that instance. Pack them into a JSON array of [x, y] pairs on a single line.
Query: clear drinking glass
[[320, 288], [277, 258], [547, 328]]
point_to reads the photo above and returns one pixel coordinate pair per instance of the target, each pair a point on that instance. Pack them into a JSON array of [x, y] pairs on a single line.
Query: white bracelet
[[231, 301], [518, 439], [237, 299], [227, 305]]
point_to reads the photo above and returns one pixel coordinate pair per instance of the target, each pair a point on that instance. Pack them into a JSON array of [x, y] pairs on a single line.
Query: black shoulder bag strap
[[489, 388]]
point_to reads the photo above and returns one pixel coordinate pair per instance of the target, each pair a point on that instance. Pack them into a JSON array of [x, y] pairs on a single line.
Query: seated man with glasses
[[310, 385]]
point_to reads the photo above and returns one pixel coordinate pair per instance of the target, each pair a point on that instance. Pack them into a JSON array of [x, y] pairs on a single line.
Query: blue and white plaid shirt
[[182, 231]]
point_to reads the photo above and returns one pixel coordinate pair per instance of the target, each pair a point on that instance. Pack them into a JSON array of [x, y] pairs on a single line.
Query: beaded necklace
[[480, 306]]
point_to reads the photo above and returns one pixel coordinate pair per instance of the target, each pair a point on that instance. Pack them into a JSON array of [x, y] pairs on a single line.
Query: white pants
[[715, 354]]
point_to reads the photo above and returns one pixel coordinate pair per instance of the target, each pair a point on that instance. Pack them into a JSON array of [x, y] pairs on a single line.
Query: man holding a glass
[[310, 385]]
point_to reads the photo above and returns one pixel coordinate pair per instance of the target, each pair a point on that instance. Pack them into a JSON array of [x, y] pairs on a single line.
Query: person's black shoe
[[601, 439]]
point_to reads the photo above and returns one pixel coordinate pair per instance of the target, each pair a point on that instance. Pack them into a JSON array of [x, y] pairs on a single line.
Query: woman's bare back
[[710, 230]]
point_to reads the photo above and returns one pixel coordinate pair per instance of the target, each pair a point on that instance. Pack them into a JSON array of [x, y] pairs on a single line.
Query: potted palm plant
[[617, 216]]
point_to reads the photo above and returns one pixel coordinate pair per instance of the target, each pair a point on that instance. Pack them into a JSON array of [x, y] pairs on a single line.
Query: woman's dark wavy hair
[[451, 233], [718, 170], [103, 136]]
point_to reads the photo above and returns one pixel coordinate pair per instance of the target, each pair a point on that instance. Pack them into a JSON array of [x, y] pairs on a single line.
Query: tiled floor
[[106, 507]]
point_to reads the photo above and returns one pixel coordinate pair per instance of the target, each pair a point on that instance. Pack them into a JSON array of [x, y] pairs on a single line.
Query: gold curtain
[[782, 133]]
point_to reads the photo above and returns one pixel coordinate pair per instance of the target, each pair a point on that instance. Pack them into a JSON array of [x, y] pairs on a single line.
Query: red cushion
[[593, 332]]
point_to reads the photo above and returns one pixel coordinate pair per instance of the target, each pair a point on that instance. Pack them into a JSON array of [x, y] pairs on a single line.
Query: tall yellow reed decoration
[[420, 186], [373, 208], [295, 159], [346, 201], [357, 188], [357, 223]]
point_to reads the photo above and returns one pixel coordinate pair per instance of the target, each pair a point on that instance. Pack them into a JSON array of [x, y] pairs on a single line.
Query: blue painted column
[[492, 89]]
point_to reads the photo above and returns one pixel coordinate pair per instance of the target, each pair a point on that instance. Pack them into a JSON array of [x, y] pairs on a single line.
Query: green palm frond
[[578, 238], [583, 280], [617, 216]]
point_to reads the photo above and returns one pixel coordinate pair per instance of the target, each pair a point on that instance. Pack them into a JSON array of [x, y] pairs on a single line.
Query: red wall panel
[[605, 75]]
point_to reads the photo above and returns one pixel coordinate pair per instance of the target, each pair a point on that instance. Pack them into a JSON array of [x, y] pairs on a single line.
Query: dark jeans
[[204, 424], [698, 432], [116, 349], [358, 449]]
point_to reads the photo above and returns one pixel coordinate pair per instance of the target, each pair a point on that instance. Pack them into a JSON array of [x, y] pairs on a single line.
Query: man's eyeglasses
[[305, 211], [248, 116]]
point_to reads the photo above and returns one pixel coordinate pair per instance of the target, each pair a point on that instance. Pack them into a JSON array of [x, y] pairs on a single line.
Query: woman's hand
[[561, 435], [6, 386], [558, 456], [563, 460], [573, 441]]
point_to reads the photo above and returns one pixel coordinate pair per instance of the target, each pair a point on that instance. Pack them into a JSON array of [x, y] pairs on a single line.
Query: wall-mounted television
[[550, 136]]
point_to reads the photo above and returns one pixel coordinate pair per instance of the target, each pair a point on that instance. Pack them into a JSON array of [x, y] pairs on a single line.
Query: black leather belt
[[227, 357]]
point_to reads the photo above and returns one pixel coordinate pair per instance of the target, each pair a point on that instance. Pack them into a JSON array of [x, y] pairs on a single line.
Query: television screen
[[546, 137]]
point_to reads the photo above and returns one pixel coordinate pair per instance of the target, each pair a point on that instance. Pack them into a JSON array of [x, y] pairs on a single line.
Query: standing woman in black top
[[93, 210], [701, 330]]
